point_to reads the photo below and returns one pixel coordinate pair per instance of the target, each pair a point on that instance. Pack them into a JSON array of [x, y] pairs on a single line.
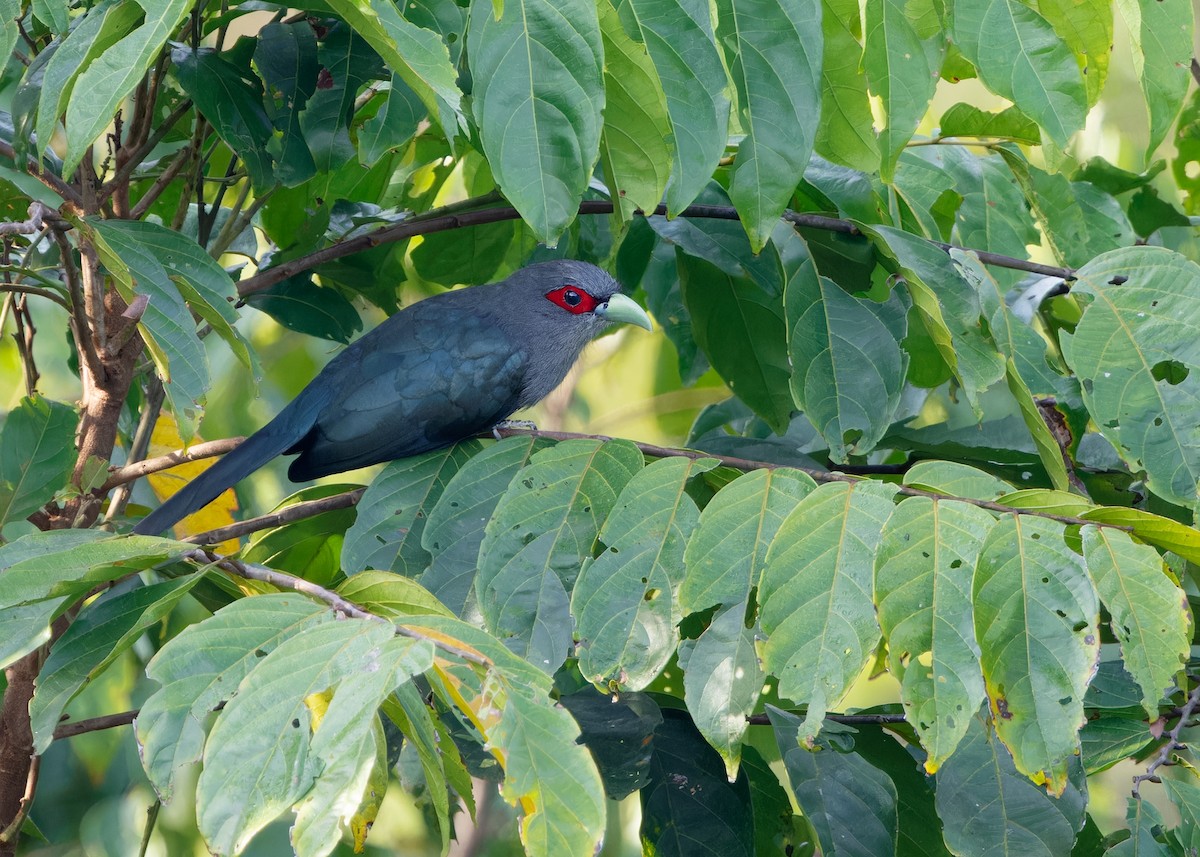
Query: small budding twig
[[1173, 743]]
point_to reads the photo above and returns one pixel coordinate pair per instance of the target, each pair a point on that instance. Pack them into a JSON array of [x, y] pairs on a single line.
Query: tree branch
[[136, 470], [439, 220], [295, 512], [1173, 743]]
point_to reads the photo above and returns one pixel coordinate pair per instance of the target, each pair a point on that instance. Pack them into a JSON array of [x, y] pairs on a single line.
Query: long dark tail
[[287, 429]]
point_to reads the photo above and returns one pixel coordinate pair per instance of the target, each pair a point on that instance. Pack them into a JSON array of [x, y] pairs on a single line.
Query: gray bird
[[439, 371]]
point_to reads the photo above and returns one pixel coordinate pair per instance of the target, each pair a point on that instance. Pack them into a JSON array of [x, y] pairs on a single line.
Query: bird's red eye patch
[[573, 299]]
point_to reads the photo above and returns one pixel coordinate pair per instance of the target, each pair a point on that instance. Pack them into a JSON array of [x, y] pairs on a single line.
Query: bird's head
[[554, 308]]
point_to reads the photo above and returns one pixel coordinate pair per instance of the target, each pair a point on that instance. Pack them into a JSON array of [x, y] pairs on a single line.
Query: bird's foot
[[526, 425]]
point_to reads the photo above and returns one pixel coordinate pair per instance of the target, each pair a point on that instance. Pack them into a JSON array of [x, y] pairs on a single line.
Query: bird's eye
[[573, 299]]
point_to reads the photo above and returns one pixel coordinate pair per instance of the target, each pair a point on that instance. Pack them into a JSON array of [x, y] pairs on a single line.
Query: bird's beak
[[620, 308]]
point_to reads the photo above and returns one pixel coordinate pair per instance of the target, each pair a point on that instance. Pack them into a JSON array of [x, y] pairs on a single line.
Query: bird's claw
[[526, 425]]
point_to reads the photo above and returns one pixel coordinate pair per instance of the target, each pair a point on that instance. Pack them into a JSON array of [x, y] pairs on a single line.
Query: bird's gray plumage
[[441, 370]]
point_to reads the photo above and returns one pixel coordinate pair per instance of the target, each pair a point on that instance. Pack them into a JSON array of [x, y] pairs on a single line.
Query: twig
[[1173, 743], [283, 580], [746, 464], [160, 184], [295, 512], [10, 833], [84, 343], [438, 220], [151, 818], [137, 469], [140, 443], [48, 294], [848, 719], [134, 160], [26, 330], [93, 302], [37, 214], [35, 169], [94, 724]]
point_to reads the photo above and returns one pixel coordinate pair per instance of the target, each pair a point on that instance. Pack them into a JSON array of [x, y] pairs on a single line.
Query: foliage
[[957, 440]]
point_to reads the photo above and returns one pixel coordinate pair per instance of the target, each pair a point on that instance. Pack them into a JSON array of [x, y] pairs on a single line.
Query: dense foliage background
[[898, 553]]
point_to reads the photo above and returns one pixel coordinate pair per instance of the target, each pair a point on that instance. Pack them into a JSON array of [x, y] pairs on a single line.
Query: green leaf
[[725, 555], [94, 33], [97, 637], [114, 74], [455, 528], [1143, 819], [537, 98], [740, 326], [967, 120], [773, 52], [618, 731], [23, 628], [202, 667], [263, 755], [286, 59], [309, 548], [393, 126], [636, 145], [53, 13], [1159, 531], [552, 776], [1047, 500], [390, 595], [850, 803], [679, 39], [391, 515], [816, 609], [299, 304], [902, 71], [1036, 617], [923, 591], [722, 681], [232, 100], [950, 308], [1185, 795], [10, 11], [845, 133], [1150, 616], [37, 454], [407, 709], [543, 527], [847, 366], [1161, 35], [1020, 57], [990, 810], [1134, 352], [624, 602], [417, 55], [690, 807], [1105, 741], [959, 480], [1050, 453], [1087, 29]]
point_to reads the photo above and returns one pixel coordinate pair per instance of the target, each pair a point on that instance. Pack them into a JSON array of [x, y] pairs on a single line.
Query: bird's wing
[[406, 388]]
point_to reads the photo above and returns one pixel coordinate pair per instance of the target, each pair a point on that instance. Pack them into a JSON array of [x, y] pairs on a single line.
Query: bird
[[440, 370]]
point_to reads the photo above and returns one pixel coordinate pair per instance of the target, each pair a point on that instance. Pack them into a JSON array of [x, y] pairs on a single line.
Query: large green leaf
[[1161, 34], [392, 513], [97, 637], [923, 591], [850, 803], [103, 26], [311, 547], [1150, 616], [202, 667], [847, 366], [845, 134], [537, 98], [1087, 28], [543, 527], [455, 528], [114, 74], [726, 553], [1137, 357], [1036, 616], [902, 71], [1143, 817], [989, 810], [263, 754], [624, 602], [773, 53], [37, 453], [636, 145], [1019, 56], [679, 39], [816, 608], [286, 59], [740, 326]]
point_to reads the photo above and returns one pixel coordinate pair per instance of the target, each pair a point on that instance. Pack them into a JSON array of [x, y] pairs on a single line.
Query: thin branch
[[84, 342], [48, 294], [37, 215], [848, 719], [93, 301], [155, 393], [126, 170], [35, 169], [438, 220], [94, 724], [160, 184], [138, 469], [10, 833], [746, 464], [283, 580], [295, 512], [1173, 743]]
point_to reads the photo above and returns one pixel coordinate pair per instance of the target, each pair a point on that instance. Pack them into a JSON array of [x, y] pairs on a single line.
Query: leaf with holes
[[1135, 352]]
